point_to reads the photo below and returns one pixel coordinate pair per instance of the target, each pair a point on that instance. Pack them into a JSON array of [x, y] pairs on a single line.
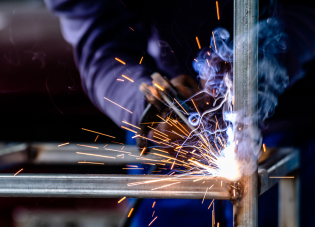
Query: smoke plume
[[215, 70]]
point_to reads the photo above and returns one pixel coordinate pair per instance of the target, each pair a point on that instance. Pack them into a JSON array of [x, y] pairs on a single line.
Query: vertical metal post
[[245, 73], [289, 202]]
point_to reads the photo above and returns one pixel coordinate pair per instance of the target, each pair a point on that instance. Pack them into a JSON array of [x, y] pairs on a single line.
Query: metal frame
[[116, 186]]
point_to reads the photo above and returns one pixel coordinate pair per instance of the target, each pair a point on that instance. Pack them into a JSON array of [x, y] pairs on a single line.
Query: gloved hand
[[184, 87]]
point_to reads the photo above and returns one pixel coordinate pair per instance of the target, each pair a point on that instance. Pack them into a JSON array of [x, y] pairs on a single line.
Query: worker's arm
[[99, 32]]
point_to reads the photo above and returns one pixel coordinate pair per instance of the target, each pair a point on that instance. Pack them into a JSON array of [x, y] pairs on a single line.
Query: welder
[[116, 38]]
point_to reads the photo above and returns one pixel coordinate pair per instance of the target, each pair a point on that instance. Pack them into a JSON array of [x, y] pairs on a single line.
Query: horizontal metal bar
[[50, 153], [112, 186], [280, 164], [141, 186], [9, 148], [15, 154]]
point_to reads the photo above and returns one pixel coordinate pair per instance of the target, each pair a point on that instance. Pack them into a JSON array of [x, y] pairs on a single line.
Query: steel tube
[[111, 186], [245, 77], [289, 204], [115, 186], [282, 163]]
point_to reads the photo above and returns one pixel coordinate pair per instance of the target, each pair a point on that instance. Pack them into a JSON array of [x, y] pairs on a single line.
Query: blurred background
[[40, 86], [42, 100]]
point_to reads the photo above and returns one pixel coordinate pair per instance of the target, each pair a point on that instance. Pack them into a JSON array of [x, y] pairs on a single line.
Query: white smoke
[[215, 70]]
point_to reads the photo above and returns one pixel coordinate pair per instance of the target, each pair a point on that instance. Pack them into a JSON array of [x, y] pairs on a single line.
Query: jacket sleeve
[[101, 31]]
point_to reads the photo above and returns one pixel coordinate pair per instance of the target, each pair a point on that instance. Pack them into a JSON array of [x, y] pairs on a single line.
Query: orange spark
[[197, 39], [195, 60], [96, 138], [181, 106], [163, 139], [213, 91], [210, 204], [195, 106], [165, 186], [122, 199], [117, 105], [122, 62], [60, 145], [127, 78], [181, 125], [128, 129], [159, 134], [180, 130], [197, 180], [220, 141], [18, 172], [215, 45], [158, 131], [160, 150], [141, 60], [288, 177], [120, 156], [204, 196], [116, 150], [153, 204], [178, 134], [163, 120], [97, 163], [158, 86], [97, 155], [130, 124], [218, 13], [148, 182], [142, 151], [131, 29], [153, 220], [151, 123], [98, 133], [264, 147], [130, 212], [155, 141], [87, 146], [153, 213], [149, 163], [208, 63], [117, 142]]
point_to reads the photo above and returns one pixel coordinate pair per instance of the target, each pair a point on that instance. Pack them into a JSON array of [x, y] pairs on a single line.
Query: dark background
[[41, 97]]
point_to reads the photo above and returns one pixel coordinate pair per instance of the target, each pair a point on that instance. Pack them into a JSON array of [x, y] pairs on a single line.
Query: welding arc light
[[194, 119]]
